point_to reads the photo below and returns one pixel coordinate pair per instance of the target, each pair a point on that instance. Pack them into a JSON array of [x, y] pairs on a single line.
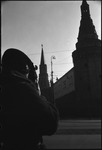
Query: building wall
[[67, 106], [84, 100], [64, 85], [95, 75], [81, 70]]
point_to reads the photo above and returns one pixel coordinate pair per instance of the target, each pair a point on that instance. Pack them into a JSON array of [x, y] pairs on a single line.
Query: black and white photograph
[[50, 75]]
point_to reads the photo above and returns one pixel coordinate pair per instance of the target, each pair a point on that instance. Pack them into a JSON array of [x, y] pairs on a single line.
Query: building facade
[[87, 64], [78, 93]]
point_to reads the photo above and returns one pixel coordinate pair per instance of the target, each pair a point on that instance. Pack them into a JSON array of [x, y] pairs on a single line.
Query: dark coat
[[26, 115]]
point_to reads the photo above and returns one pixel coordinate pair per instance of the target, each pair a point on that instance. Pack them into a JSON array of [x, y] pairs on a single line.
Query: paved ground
[[76, 134]]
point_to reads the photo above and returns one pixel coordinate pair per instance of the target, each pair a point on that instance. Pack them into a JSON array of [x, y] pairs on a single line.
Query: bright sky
[[55, 24]]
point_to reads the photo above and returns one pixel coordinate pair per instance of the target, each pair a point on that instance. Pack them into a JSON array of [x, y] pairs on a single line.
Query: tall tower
[[87, 63], [43, 76]]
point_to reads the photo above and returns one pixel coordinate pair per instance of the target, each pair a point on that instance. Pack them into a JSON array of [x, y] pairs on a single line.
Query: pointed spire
[[85, 8], [87, 29], [42, 56], [43, 76]]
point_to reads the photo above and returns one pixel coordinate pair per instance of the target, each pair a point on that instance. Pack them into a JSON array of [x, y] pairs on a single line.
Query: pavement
[[75, 134]]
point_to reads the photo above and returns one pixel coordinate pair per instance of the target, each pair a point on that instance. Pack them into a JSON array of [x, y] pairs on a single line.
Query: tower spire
[[43, 76], [87, 29], [85, 8], [42, 56]]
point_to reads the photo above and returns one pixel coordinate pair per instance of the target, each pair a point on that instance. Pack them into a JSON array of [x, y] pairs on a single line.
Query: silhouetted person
[[26, 116]]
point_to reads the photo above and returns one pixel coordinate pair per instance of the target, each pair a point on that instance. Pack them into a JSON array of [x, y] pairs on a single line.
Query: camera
[[33, 75]]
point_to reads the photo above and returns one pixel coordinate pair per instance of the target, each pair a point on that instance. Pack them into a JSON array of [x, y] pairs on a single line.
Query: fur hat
[[14, 59]]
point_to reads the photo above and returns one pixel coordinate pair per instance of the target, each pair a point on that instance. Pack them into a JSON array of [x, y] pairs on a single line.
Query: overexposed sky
[[55, 24]]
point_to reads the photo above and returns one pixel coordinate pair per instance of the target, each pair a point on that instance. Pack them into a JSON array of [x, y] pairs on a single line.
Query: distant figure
[[26, 116]]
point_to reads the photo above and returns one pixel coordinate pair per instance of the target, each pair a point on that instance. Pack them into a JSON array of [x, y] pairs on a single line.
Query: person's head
[[15, 60]]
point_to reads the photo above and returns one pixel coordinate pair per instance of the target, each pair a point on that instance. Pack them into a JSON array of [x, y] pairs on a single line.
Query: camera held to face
[[32, 74]]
